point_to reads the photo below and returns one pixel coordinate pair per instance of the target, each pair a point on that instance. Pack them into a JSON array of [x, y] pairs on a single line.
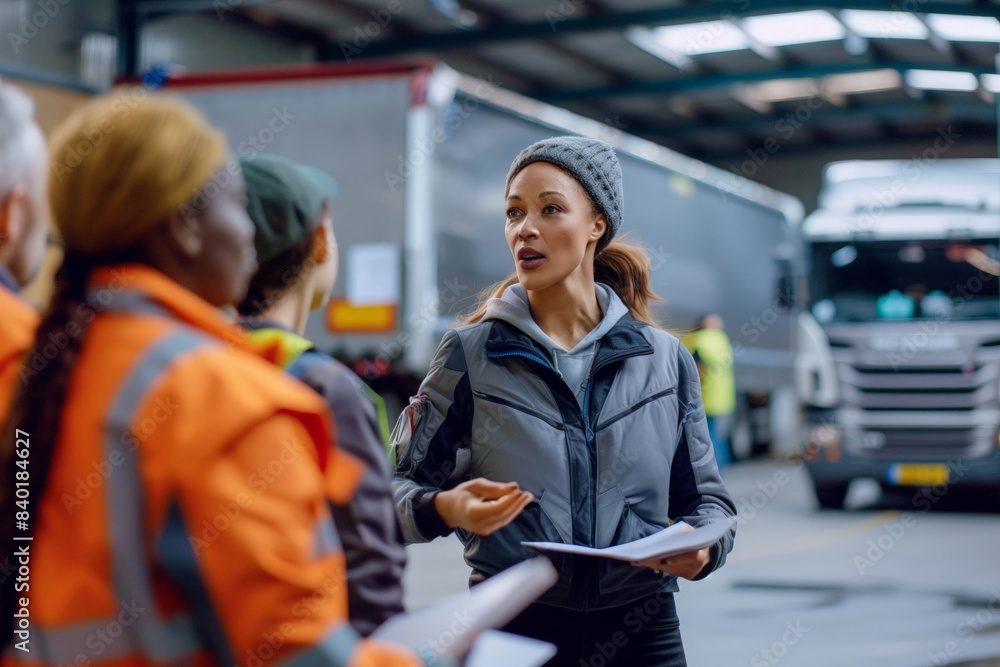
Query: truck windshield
[[905, 280]]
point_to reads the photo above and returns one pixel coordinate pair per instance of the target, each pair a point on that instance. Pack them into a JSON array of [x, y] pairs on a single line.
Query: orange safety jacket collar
[[107, 282]]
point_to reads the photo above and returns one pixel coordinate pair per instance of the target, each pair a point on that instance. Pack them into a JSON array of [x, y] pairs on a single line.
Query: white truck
[[898, 364]]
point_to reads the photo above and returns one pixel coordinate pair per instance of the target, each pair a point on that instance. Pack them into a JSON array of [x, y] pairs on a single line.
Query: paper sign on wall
[[373, 274]]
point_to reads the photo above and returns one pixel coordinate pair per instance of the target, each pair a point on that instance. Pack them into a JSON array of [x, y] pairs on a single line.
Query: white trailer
[[420, 154]]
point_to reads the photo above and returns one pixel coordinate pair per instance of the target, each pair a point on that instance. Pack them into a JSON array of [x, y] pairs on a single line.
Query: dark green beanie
[[284, 201]]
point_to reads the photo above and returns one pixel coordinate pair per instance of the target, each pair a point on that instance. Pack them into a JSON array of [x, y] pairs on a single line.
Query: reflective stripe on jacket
[[185, 518], [636, 456]]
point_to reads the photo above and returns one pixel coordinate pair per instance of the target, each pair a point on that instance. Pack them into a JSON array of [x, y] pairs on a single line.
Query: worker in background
[[24, 222], [290, 206], [710, 347], [175, 491]]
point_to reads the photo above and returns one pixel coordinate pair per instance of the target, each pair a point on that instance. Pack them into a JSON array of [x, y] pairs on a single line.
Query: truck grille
[[925, 444], [918, 388], [945, 396]]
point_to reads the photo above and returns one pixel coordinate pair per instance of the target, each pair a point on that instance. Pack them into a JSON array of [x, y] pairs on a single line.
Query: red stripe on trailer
[[418, 88], [288, 73]]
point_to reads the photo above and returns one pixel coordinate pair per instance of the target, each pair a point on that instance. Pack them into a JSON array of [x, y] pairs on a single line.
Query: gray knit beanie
[[592, 163]]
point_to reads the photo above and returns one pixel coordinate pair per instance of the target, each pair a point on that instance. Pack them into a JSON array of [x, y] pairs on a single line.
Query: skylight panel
[[794, 28], [698, 38], [862, 82], [884, 25], [991, 82], [965, 28], [928, 79]]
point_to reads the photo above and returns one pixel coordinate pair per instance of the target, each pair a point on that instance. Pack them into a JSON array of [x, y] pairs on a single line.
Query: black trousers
[[644, 633]]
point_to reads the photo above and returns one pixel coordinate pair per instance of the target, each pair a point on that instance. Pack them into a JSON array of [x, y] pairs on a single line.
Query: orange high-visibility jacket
[[18, 322], [185, 517]]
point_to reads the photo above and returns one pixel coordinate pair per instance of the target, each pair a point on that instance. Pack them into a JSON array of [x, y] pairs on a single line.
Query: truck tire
[[830, 495], [741, 433]]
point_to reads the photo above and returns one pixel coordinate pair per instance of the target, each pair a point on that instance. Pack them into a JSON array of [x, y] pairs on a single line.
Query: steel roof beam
[[351, 12], [129, 33], [153, 9], [571, 21], [578, 58], [940, 44], [904, 112], [965, 129], [771, 54], [687, 84]]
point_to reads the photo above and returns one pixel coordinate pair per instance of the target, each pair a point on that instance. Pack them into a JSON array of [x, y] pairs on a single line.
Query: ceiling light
[[884, 25], [780, 90], [991, 82], [697, 38], [745, 96], [965, 28], [647, 41], [862, 82], [794, 28], [929, 79]]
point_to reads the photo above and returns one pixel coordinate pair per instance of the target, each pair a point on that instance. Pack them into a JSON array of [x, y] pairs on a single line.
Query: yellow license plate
[[918, 474]]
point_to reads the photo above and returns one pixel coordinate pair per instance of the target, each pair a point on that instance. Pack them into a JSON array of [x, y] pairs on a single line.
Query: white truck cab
[[898, 362]]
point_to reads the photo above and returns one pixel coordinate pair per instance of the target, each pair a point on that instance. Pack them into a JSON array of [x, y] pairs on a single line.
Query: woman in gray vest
[[560, 412]]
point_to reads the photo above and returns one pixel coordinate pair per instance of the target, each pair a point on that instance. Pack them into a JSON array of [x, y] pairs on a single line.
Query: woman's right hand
[[481, 506]]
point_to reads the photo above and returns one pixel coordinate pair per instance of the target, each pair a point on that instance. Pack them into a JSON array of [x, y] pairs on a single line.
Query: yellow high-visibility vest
[[714, 355]]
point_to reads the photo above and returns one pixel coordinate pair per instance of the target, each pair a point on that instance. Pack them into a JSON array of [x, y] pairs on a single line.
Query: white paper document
[[502, 649], [450, 628], [676, 539]]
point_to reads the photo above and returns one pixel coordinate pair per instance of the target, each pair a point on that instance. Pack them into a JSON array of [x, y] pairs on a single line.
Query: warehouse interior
[[817, 185], [712, 80]]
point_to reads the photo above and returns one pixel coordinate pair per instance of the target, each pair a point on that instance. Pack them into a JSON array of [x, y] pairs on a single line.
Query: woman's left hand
[[686, 566]]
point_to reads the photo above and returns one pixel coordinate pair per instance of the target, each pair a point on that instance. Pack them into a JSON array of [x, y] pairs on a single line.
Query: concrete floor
[[884, 584]]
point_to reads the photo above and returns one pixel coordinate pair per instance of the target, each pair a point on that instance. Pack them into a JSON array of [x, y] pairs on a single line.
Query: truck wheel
[[831, 495], [740, 434]]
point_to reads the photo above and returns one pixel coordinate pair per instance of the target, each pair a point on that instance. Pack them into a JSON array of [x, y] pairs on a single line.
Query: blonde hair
[[623, 266], [119, 166]]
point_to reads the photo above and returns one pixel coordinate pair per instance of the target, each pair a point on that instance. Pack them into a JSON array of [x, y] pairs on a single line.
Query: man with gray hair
[[24, 222]]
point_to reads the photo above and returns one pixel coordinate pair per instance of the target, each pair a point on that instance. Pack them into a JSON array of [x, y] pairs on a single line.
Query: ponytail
[[37, 410], [622, 266], [625, 268]]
